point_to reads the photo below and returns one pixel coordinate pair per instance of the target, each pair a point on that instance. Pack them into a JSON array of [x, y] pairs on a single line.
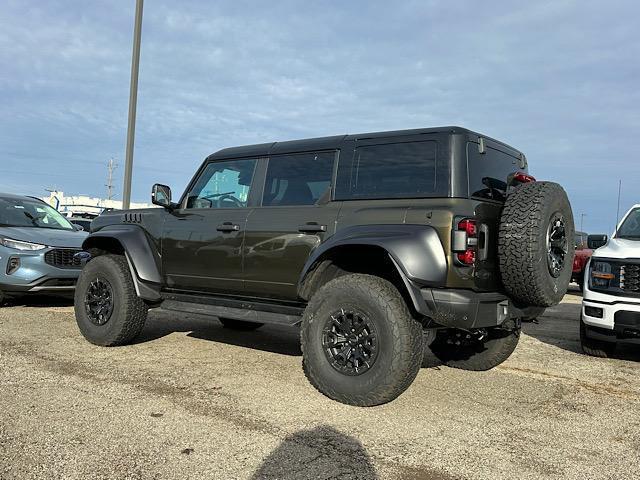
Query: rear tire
[[108, 310], [592, 347], [473, 354], [535, 244], [360, 344], [242, 325]]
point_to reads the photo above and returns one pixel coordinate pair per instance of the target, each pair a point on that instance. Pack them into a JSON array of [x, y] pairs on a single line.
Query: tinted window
[[299, 179], [222, 185], [392, 170], [488, 172]]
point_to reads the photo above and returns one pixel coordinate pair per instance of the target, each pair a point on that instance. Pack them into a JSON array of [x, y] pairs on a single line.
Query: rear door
[[202, 240], [294, 217]]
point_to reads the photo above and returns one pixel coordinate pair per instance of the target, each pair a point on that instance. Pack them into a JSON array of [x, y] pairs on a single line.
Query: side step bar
[[236, 309]]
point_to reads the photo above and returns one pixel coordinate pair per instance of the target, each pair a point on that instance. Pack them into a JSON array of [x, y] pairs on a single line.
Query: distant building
[[84, 205]]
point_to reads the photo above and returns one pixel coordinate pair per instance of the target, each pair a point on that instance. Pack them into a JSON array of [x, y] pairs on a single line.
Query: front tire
[[592, 347], [478, 351], [360, 344], [108, 310]]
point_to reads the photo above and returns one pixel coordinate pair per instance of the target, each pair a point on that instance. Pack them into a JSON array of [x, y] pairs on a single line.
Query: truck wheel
[[239, 324], [595, 348], [479, 350], [360, 344], [535, 244], [108, 311]]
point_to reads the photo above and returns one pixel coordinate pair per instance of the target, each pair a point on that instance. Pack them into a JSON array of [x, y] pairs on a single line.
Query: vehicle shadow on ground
[[321, 452], [39, 301], [269, 338], [560, 326]]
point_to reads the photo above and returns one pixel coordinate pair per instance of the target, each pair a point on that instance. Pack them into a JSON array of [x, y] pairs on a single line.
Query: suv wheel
[[108, 311], [595, 348], [535, 244], [360, 344], [480, 349], [239, 324]]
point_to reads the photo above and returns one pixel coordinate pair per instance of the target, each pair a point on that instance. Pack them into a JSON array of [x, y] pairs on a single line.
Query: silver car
[[38, 248]]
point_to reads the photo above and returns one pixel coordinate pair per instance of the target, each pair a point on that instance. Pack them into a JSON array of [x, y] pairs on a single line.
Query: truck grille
[[630, 277], [62, 258]]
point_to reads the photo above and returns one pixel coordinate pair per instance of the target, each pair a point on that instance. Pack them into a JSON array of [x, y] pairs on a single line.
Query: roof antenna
[[615, 232]]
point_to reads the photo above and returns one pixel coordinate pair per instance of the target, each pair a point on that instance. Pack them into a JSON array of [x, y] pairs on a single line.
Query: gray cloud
[[555, 79]]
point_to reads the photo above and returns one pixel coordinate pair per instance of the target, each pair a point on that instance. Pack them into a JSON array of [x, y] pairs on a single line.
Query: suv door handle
[[228, 227], [312, 227]]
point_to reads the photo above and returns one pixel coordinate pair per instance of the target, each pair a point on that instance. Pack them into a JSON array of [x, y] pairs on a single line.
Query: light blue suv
[[38, 248]]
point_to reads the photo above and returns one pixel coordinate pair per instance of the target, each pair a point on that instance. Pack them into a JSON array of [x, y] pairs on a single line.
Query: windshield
[[630, 228], [25, 212]]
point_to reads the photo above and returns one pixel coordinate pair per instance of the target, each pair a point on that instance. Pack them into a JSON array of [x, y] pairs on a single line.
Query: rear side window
[[392, 170], [489, 172], [297, 179]]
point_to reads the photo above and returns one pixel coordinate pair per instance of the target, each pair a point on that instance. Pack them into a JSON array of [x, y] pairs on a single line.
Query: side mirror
[[161, 195], [596, 241], [78, 227]]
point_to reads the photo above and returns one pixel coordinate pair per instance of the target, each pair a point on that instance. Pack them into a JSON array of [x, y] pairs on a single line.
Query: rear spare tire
[[535, 244]]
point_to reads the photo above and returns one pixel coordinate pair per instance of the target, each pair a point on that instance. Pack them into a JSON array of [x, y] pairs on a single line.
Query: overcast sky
[[558, 80]]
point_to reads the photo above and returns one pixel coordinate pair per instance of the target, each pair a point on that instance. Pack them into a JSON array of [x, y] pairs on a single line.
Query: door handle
[[312, 227], [483, 242], [228, 227]]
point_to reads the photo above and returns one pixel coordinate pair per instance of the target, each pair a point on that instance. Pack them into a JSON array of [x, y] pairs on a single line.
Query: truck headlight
[[20, 245], [601, 274]]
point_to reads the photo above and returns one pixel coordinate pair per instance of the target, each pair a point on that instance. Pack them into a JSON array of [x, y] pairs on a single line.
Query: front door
[[294, 217], [203, 239]]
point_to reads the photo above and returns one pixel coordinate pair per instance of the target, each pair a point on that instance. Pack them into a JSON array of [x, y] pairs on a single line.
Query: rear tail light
[[465, 241], [523, 177]]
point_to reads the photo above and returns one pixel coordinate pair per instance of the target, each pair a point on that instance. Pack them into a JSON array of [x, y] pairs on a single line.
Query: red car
[[583, 253]]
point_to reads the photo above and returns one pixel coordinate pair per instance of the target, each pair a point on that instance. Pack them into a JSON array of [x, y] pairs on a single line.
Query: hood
[[45, 236], [619, 248]]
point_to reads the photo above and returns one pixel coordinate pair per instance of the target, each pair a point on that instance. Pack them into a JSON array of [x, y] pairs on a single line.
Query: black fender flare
[[140, 251], [415, 250]]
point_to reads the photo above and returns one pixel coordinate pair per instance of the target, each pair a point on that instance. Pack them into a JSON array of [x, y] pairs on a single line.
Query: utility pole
[[582, 215], [111, 166], [618, 210], [133, 99]]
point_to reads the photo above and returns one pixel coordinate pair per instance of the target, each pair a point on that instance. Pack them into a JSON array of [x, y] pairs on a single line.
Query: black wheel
[[360, 344], [239, 324], [108, 311], [480, 349], [595, 348], [535, 244]]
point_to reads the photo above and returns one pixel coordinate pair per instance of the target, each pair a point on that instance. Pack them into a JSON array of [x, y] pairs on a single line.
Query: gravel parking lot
[[194, 400]]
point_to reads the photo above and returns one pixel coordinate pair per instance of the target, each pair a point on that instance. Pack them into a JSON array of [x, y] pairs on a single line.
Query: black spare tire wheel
[[535, 244]]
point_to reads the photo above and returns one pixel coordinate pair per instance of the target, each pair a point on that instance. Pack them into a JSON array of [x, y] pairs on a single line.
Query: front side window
[[19, 212], [223, 185], [299, 179], [630, 228], [392, 170]]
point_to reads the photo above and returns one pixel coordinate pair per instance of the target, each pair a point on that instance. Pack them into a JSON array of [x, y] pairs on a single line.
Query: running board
[[231, 308]]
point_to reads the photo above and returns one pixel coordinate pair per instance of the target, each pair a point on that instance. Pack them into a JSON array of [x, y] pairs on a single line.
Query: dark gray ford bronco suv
[[373, 244]]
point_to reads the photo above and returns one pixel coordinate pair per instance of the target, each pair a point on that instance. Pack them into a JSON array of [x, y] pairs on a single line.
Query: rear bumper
[[468, 309]]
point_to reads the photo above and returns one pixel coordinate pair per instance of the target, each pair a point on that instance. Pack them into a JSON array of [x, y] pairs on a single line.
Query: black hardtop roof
[[332, 142], [13, 196]]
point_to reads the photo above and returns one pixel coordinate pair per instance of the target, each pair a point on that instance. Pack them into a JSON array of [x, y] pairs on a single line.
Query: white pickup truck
[[611, 299]]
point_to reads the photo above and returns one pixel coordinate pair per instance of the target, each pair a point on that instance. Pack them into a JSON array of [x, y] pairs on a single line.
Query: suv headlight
[[20, 245], [601, 274]]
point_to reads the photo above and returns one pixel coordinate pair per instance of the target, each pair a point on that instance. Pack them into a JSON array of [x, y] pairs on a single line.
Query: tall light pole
[[133, 100]]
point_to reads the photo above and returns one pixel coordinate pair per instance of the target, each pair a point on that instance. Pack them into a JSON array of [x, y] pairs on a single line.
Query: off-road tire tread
[[499, 352], [522, 229], [408, 346], [135, 308]]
